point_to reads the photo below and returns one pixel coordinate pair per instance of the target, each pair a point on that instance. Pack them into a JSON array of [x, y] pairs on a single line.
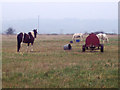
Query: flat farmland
[[50, 66]]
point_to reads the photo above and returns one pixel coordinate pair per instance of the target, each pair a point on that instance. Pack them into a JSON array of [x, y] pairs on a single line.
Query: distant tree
[[10, 31]]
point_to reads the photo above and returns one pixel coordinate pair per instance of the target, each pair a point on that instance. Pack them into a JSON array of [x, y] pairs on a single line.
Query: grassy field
[[49, 66]]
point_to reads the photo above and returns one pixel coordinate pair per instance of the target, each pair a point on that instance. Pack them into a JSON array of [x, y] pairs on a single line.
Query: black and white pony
[[26, 38]]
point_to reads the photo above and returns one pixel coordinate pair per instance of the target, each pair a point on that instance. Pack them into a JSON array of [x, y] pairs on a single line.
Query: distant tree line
[[97, 32], [11, 31]]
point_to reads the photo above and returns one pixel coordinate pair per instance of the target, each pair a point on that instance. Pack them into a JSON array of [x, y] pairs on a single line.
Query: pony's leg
[[100, 40], [18, 43], [81, 38], [73, 38], [103, 41], [18, 46], [107, 40], [27, 47], [31, 46]]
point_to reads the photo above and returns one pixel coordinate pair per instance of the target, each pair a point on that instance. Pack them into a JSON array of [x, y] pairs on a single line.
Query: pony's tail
[[18, 43]]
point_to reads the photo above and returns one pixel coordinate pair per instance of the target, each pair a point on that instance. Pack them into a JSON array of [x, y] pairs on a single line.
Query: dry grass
[[50, 66]]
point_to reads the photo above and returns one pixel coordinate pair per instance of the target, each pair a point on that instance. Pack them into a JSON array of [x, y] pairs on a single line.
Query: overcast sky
[[60, 10]]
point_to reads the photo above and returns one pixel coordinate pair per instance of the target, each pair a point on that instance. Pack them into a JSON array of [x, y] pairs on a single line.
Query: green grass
[[49, 66]]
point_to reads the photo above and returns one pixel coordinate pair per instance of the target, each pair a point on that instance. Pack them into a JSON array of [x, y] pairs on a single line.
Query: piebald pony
[[26, 38]]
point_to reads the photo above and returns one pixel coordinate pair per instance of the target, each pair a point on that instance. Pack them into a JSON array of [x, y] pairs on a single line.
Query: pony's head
[[35, 32]]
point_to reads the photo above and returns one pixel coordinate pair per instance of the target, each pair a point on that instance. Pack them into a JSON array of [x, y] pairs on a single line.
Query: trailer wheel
[[87, 48], [83, 48], [102, 48]]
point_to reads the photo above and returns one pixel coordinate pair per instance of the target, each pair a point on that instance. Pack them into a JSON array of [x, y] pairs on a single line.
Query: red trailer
[[92, 43]]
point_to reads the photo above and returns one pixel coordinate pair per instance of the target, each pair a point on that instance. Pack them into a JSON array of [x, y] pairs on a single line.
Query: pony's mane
[[32, 33]]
